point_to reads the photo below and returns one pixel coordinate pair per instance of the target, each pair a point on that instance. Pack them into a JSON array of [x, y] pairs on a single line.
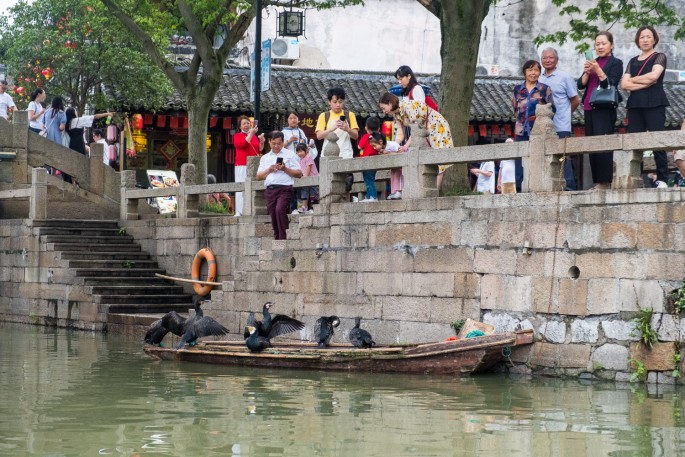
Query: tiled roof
[[304, 90]]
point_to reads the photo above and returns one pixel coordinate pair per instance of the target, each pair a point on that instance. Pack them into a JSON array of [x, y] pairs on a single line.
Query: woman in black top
[[644, 78], [603, 71]]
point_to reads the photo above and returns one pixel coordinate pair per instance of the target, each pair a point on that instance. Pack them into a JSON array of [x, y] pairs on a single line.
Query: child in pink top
[[308, 167]]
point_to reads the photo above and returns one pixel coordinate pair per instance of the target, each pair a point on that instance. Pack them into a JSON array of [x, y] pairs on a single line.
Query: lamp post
[[258, 63]]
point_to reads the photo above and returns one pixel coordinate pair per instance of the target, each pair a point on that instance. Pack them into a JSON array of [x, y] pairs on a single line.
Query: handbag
[[601, 98]]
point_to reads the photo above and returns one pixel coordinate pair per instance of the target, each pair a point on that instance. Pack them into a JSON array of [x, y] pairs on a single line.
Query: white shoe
[[395, 196], [295, 212], [355, 200], [661, 185], [369, 199], [309, 211]]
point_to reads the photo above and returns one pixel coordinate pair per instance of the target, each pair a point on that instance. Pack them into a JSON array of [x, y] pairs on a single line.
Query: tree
[[152, 22], [73, 49], [460, 25]]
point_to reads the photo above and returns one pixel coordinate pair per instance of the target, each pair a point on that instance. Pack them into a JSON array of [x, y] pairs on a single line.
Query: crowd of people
[[293, 155]]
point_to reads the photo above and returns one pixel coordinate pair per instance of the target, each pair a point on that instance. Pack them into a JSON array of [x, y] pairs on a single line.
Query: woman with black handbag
[[646, 106], [600, 80]]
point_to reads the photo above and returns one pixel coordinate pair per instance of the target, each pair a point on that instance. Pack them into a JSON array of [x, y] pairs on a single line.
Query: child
[[506, 181], [383, 146], [308, 168], [373, 125]]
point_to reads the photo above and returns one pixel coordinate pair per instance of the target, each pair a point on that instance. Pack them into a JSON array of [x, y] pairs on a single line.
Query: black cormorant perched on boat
[[188, 329], [254, 341], [324, 328], [271, 327], [200, 325], [359, 337]]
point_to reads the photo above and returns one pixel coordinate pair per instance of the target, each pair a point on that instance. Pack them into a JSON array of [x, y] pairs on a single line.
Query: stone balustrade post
[[39, 194], [253, 199], [542, 172], [20, 132], [95, 181], [128, 210], [187, 205], [420, 181], [628, 170], [331, 185]]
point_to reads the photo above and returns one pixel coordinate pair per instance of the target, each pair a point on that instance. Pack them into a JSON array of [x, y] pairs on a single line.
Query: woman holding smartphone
[[603, 71], [247, 144]]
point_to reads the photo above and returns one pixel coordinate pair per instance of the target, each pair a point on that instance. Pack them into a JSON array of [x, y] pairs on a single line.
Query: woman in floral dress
[[414, 111]]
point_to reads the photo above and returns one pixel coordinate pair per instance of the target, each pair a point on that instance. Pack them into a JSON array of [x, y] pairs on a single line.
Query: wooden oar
[[192, 281]]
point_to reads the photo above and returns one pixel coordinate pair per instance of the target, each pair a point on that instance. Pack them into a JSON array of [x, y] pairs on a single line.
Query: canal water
[[85, 394]]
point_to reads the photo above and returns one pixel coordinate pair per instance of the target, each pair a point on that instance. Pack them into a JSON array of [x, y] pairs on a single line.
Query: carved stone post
[[253, 199], [20, 134], [95, 182], [39, 194], [128, 209], [420, 181], [187, 205], [331, 185], [17, 139], [542, 172]]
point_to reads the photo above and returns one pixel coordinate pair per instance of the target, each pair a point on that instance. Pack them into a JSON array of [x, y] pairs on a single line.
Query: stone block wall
[[575, 267], [37, 287]]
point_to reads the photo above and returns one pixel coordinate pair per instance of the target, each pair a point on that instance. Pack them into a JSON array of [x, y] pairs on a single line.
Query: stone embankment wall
[[575, 267]]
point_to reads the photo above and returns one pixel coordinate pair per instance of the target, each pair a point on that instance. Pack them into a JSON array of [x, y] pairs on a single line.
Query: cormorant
[[359, 337], [324, 328], [189, 329], [200, 325], [271, 327], [254, 342]]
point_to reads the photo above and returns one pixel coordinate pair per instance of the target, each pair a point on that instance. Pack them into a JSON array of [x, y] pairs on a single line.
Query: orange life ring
[[206, 254]]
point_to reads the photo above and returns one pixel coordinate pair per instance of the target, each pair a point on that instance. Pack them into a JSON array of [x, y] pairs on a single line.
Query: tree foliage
[[215, 26], [74, 49], [607, 14]]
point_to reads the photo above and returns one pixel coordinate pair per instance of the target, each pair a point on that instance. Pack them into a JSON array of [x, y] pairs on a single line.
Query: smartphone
[[343, 118], [255, 123], [279, 159], [588, 55]]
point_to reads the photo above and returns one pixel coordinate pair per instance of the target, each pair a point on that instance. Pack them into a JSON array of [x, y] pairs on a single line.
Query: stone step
[[112, 264], [81, 231], [133, 299], [82, 255], [74, 223], [145, 308], [122, 281], [119, 272], [88, 247], [138, 290], [99, 240]]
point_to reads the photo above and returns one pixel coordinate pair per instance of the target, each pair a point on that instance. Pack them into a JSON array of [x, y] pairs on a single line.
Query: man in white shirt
[[6, 102], [278, 169]]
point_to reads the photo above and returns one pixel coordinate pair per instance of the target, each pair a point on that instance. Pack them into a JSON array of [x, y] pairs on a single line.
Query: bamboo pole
[[192, 281]]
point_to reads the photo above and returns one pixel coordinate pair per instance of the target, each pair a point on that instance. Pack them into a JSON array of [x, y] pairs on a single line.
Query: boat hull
[[447, 357]]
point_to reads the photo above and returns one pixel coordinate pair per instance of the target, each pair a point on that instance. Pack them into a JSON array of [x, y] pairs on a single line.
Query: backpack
[[355, 148]]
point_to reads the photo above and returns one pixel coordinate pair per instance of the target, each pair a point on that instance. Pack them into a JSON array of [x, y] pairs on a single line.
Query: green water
[[83, 394]]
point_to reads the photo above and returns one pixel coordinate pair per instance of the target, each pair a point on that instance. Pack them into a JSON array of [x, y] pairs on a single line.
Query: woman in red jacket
[[247, 144]]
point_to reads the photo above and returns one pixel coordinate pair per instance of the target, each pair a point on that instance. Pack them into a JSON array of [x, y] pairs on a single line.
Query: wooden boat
[[456, 357]]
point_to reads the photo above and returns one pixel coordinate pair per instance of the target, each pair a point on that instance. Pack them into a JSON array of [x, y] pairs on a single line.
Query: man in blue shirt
[[566, 101]]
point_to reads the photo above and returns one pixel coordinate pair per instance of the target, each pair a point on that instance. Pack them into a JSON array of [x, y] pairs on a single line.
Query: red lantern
[[387, 129], [137, 122], [20, 90], [47, 73]]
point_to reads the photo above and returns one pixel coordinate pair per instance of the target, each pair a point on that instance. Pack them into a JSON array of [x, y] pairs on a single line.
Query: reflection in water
[[67, 393]]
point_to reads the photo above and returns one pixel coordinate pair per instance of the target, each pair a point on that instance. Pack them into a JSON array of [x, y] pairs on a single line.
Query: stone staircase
[[110, 266]]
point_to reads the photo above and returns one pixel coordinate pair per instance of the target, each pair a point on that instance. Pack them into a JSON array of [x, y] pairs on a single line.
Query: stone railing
[[541, 156], [31, 151]]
